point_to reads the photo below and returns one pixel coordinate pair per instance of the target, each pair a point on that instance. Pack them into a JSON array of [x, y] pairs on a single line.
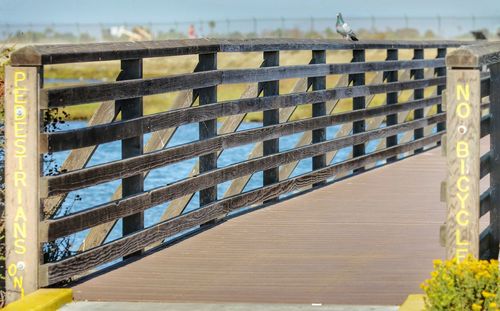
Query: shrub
[[469, 285]]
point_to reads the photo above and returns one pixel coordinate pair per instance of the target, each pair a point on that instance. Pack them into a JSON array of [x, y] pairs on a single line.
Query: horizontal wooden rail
[[130, 205], [67, 96], [103, 133], [99, 134], [51, 273], [71, 53], [74, 180]]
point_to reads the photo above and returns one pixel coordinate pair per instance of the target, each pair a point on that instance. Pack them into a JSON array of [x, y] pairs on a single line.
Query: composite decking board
[[346, 243]]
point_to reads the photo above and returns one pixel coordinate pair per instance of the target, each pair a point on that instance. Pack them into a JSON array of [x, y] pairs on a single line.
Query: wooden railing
[[407, 110], [468, 121]]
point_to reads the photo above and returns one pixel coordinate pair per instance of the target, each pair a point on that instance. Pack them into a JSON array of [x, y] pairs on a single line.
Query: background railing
[[378, 108], [473, 182], [367, 27]]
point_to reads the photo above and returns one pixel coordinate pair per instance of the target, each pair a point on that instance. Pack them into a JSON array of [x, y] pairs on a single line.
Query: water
[[102, 193]]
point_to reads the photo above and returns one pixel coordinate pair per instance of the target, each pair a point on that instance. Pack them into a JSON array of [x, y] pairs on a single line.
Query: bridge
[[352, 212]]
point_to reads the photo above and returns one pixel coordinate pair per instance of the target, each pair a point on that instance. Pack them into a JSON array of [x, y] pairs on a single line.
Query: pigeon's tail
[[353, 38]]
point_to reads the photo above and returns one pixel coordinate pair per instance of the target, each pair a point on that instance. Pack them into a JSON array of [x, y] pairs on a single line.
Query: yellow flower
[[493, 305], [476, 307], [487, 294]]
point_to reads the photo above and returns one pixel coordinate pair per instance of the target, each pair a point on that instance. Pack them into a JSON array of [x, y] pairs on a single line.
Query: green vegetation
[[469, 285]]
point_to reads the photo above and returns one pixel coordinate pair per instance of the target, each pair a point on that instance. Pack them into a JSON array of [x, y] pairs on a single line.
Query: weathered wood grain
[[158, 140], [270, 118], [208, 128], [67, 96], [74, 180], [70, 53], [108, 211], [61, 270], [22, 172], [475, 55], [418, 74], [463, 134], [358, 102], [132, 147], [99, 134], [440, 72], [318, 109], [495, 157], [392, 99]]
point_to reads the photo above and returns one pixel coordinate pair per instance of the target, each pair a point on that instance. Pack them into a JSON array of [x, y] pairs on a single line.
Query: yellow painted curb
[[47, 299], [413, 303]]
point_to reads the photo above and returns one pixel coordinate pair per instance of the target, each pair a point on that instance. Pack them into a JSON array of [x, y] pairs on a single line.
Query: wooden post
[[131, 147], [495, 159], [271, 117], [418, 74], [358, 103], [392, 99], [207, 129], [318, 109], [22, 175], [462, 150], [440, 72]]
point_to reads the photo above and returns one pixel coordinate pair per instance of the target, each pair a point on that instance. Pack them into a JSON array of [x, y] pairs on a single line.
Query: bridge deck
[[369, 239]]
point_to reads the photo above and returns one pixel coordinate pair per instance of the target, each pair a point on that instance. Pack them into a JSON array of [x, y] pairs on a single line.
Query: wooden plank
[[463, 134], [286, 170], [78, 158], [286, 113], [99, 134], [271, 117], [67, 96], [70, 53], [392, 99], [208, 128], [474, 56], [313, 240], [495, 159], [158, 140], [318, 109], [77, 264], [131, 147], [358, 102], [22, 173], [418, 74], [109, 211], [74, 180], [440, 72], [376, 122]]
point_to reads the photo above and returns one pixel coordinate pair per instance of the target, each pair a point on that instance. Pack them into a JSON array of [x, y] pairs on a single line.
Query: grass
[[157, 67]]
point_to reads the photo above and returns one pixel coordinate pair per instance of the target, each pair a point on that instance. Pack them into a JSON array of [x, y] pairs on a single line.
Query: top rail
[[39, 55], [475, 55]]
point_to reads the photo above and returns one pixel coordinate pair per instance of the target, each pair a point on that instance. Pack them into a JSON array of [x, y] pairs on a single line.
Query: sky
[[166, 11]]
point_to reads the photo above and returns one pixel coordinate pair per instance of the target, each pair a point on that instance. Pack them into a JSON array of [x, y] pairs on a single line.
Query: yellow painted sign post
[[463, 158], [22, 172]]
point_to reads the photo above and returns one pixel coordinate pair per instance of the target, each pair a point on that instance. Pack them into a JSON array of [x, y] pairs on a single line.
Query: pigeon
[[344, 29]]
